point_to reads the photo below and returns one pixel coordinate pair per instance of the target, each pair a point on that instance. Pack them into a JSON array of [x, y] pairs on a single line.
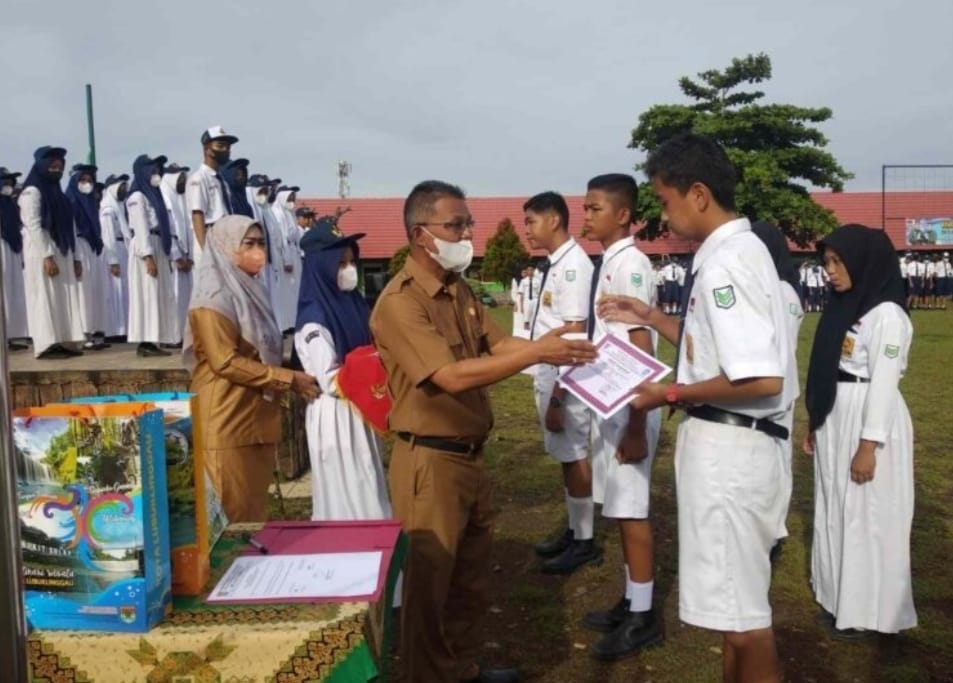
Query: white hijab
[[223, 287], [111, 203]]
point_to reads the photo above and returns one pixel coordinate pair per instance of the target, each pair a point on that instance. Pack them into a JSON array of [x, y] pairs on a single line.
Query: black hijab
[[56, 215], [874, 271], [10, 215], [235, 174], [143, 168], [85, 209], [777, 246]]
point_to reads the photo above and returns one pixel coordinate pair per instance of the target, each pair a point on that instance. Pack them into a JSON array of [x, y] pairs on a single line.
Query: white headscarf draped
[[223, 287]]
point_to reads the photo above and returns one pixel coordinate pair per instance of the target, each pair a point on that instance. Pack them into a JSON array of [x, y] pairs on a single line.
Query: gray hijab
[[224, 288]]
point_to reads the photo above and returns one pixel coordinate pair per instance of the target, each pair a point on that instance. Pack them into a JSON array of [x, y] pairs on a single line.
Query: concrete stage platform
[[118, 370]]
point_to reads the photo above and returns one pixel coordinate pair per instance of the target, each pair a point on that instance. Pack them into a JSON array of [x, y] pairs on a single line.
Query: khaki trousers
[[241, 477], [444, 504]]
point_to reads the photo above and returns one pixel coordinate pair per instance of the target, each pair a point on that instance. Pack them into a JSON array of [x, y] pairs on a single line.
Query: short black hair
[[687, 159], [549, 201], [418, 206], [622, 187]]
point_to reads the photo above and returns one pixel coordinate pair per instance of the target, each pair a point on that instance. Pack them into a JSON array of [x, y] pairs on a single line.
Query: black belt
[[726, 417], [843, 376], [120, 239], [438, 444], [155, 232]]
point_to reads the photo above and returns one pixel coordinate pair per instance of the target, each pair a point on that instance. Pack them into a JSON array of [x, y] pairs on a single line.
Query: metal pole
[[89, 124], [13, 662], [883, 197]]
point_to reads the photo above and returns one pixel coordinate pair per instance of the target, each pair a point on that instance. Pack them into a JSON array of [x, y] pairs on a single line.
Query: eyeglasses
[[457, 226]]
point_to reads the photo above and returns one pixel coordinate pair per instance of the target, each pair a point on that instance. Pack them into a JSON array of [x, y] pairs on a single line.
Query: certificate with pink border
[[609, 382]]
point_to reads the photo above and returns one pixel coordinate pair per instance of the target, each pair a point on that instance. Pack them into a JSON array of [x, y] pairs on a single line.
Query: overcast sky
[[505, 98]]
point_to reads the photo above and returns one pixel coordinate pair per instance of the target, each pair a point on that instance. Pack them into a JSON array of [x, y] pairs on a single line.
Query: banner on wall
[[929, 231]]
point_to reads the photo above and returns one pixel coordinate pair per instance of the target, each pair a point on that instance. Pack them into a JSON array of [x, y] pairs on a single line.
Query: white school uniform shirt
[[680, 275], [903, 268], [943, 268], [659, 277], [203, 192], [736, 322], [930, 269], [920, 269], [625, 271], [813, 280], [564, 298], [671, 275], [180, 221]]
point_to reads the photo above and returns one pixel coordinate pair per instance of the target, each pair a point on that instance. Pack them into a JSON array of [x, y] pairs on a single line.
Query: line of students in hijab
[[114, 259]]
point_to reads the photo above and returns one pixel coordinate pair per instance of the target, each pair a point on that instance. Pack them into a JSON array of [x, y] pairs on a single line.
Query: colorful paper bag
[[91, 489]]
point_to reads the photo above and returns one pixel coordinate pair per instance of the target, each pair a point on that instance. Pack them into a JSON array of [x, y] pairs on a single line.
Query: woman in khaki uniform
[[233, 348]]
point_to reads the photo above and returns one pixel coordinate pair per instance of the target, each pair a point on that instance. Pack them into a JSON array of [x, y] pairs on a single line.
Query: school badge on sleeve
[[724, 296], [570, 276], [891, 351], [637, 279]]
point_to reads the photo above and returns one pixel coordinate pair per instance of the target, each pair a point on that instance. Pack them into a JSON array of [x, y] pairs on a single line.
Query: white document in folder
[[266, 578]]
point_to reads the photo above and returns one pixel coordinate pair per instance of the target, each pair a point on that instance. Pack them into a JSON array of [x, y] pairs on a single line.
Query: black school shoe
[[637, 631], [57, 352], [496, 676], [147, 350], [608, 621], [17, 346], [578, 554], [853, 634], [555, 546]]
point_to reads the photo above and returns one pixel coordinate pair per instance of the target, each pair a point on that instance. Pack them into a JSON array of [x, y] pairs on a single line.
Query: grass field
[[535, 619]]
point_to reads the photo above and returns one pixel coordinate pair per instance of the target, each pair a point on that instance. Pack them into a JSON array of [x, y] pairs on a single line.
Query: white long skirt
[[14, 297], [347, 477], [52, 303], [92, 288], [151, 299], [860, 559], [182, 291], [117, 294]]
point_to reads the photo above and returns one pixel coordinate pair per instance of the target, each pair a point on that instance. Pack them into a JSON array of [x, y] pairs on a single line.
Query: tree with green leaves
[[504, 253], [778, 151], [397, 260]]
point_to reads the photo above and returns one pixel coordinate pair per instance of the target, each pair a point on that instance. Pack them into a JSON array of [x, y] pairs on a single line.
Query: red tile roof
[[381, 218]]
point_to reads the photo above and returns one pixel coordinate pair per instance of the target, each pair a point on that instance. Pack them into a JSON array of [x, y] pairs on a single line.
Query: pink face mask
[[251, 261]]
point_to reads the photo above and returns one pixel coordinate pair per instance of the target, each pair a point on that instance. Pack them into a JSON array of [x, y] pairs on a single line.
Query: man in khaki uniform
[[441, 351]]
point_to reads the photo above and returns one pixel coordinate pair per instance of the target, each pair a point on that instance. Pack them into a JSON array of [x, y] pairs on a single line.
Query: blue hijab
[[10, 216], [56, 215], [236, 187], [345, 314], [142, 171], [85, 209]]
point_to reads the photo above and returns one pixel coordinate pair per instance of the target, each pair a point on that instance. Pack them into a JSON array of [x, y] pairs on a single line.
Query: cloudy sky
[[505, 98]]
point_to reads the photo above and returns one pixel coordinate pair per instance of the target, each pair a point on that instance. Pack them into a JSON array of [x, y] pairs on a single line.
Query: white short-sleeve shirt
[[625, 271], [564, 296], [203, 192], [736, 322]]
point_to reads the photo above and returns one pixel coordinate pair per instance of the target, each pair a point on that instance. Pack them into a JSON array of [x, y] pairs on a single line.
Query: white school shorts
[[622, 489], [572, 443], [730, 504]]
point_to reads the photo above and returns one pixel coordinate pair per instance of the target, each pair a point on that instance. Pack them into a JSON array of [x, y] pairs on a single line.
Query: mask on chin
[[453, 256]]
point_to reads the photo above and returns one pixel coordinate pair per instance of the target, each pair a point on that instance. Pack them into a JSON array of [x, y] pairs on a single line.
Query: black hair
[[418, 206], [687, 159], [549, 201], [621, 187]]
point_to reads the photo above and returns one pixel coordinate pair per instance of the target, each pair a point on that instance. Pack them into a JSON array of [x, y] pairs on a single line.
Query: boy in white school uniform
[[563, 302], [623, 446], [732, 358]]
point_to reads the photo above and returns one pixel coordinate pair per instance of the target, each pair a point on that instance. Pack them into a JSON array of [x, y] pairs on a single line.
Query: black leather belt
[[726, 417], [155, 232], [120, 239], [844, 376], [438, 444]]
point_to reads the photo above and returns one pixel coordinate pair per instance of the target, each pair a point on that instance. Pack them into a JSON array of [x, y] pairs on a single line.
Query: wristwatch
[[671, 394], [555, 402]]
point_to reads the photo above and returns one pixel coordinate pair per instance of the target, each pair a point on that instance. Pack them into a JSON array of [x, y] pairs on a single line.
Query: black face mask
[[221, 157], [54, 175], [180, 184]]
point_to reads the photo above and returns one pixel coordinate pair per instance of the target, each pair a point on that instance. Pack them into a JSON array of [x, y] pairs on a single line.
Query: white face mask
[[7, 190], [453, 256], [155, 180], [290, 206], [347, 278], [85, 188], [261, 199]]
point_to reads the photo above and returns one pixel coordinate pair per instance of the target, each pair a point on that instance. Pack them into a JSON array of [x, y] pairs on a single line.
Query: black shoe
[[496, 676], [17, 346], [72, 352], [637, 631], [555, 546], [607, 622], [578, 554], [177, 345], [852, 634], [150, 350], [55, 352]]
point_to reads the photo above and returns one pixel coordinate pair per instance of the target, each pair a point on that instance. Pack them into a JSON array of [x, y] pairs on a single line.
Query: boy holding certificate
[[732, 355], [623, 445]]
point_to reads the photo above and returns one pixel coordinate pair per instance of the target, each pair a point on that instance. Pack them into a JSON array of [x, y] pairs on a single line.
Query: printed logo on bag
[[127, 614], [847, 348], [637, 279], [570, 276], [724, 296], [891, 351]]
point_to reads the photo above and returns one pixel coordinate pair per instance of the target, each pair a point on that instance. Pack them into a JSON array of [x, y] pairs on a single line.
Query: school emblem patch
[[847, 348], [637, 279], [570, 276], [793, 309], [724, 296], [891, 351]]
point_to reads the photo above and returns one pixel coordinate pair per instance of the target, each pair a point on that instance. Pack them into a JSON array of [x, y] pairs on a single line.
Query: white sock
[[641, 600], [581, 513], [628, 583], [570, 513]]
